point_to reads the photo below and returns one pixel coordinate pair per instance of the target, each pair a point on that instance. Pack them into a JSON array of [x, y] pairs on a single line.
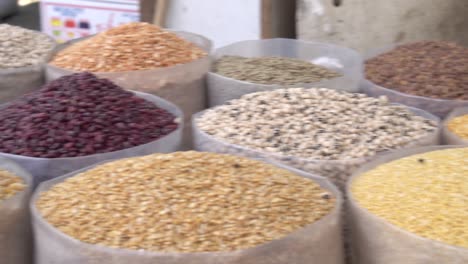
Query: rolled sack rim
[[384, 159]]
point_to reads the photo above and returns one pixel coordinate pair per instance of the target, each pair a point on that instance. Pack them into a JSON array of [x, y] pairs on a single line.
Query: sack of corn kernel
[[455, 127], [15, 233], [262, 65], [23, 55], [197, 208], [410, 207], [79, 120], [428, 75], [318, 130], [145, 58]]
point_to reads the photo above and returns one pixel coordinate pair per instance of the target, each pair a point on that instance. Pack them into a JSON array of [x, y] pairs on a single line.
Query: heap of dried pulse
[[315, 123], [426, 194], [184, 202], [10, 185], [20, 47], [130, 47]]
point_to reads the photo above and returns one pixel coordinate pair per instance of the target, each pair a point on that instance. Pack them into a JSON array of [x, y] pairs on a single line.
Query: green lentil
[[272, 70], [426, 194], [459, 126]]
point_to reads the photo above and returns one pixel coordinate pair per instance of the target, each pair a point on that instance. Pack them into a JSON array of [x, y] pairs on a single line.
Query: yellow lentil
[[10, 185], [184, 202], [426, 194], [459, 126]]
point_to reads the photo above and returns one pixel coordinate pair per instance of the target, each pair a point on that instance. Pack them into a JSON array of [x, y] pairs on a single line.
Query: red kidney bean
[[79, 115]]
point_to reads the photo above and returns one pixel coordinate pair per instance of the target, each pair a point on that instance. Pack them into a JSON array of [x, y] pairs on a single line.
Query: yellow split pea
[[459, 126], [426, 194]]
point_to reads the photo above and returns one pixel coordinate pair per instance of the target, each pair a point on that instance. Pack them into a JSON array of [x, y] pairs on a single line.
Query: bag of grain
[[23, 54], [410, 207], [79, 120], [455, 127], [261, 65], [427, 75], [145, 58], [187, 207], [15, 233]]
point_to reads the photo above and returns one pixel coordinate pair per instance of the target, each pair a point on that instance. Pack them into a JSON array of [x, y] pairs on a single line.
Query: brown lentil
[[130, 47], [272, 70], [426, 194], [429, 68], [459, 126], [10, 185], [183, 202]]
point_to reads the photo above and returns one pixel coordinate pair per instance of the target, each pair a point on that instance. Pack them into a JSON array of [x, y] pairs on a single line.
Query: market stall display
[[143, 57], [23, 54], [261, 65], [78, 120], [318, 130], [187, 207], [455, 127], [410, 207], [15, 233], [429, 75]]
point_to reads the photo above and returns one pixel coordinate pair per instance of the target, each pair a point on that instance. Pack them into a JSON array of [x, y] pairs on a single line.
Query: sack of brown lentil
[[429, 75], [187, 207], [455, 127], [321, 131], [23, 54], [143, 57], [15, 231], [410, 207], [261, 65], [79, 120]]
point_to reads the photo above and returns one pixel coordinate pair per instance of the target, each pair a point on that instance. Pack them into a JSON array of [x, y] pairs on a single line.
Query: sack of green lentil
[[410, 207], [248, 212], [455, 127], [262, 65], [428, 75], [23, 54], [319, 130], [15, 232], [143, 57], [79, 120]]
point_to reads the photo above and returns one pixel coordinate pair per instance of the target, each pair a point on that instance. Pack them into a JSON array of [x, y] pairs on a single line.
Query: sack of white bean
[[262, 65], [429, 75], [145, 58], [23, 55], [455, 127], [318, 130], [187, 208], [79, 120], [410, 207], [15, 232]]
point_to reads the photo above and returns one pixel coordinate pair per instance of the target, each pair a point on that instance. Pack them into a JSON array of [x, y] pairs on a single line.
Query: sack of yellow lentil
[[455, 127], [43, 168], [23, 55], [410, 207], [187, 207], [261, 65], [145, 58], [15, 233], [336, 170]]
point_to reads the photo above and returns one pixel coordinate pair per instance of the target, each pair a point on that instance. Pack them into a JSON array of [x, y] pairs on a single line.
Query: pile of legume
[[426, 194], [459, 126], [184, 202], [315, 123], [428, 68], [272, 70], [79, 115], [20, 47], [130, 47], [10, 185]]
